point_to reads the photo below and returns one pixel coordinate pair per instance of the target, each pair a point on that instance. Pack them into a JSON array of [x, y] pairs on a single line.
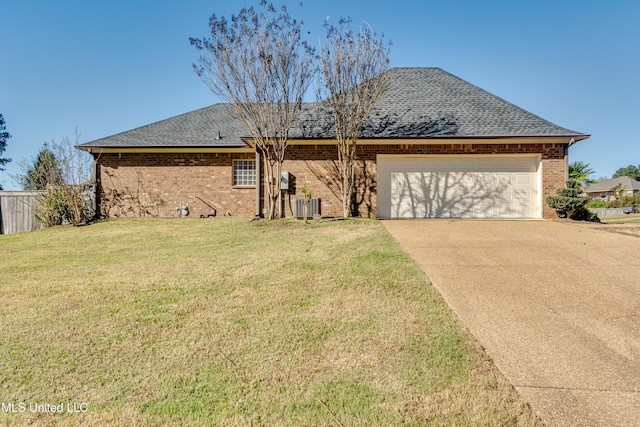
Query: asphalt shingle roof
[[604, 185], [419, 102], [431, 94], [199, 128]]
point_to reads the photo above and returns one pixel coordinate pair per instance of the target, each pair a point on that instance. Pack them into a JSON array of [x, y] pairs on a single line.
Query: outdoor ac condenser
[[298, 207]]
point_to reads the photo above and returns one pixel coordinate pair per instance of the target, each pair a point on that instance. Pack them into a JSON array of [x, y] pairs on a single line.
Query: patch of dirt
[[627, 229], [631, 229]]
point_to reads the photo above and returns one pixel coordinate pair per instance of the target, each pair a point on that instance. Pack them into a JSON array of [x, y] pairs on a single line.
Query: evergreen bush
[[569, 203]]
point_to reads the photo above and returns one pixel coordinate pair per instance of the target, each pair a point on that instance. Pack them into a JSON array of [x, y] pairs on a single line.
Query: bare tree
[[40, 172], [353, 76], [64, 176], [79, 179], [259, 64]]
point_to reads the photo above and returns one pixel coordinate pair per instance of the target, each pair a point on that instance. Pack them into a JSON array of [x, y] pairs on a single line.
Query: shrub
[[598, 203], [53, 207], [64, 175], [568, 203], [306, 193], [65, 204]]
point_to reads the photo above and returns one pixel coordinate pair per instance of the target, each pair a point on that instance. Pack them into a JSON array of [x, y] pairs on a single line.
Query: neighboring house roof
[[419, 103], [606, 185]]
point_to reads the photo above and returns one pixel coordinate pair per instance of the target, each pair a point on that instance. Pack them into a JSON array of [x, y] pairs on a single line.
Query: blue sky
[[110, 66]]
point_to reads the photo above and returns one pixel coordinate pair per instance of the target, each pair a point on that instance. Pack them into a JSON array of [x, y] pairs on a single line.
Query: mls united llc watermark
[[47, 408]]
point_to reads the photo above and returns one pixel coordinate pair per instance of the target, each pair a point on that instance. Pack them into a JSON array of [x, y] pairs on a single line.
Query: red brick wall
[[554, 176], [148, 184], [314, 165]]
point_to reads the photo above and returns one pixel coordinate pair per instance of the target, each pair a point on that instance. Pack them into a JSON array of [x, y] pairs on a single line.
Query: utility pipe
[[258, 184]]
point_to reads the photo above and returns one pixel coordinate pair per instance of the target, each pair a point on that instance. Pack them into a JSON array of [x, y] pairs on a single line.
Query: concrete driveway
[[556, 305]]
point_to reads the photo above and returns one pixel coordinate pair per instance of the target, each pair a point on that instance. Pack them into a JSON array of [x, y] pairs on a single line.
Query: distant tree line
[[582, 172], [630, 171]]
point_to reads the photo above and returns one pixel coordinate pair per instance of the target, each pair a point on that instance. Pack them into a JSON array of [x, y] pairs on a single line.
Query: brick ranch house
[[606, 189], [435, 146]]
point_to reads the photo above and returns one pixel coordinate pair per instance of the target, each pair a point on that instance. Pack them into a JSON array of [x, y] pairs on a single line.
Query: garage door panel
[[407, 200], [504, 179], [503, 196], [504, 211], [483, 187], [430, 194], [484, 180], [483, 208], [523, 211], [454, 188], [523, 194], [525, 180]]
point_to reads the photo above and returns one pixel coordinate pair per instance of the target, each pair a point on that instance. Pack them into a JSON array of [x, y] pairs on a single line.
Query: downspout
[[258, 184], [566, 159]]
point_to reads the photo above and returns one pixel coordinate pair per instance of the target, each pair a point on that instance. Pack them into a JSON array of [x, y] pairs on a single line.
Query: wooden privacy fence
[[607, 211], [17, 211]]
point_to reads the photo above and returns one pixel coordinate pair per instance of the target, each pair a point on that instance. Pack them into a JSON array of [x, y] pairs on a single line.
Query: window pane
[[244, 172]]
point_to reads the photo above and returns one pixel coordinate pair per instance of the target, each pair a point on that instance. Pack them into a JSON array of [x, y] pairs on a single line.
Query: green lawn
[[622, 219], [231, 322]]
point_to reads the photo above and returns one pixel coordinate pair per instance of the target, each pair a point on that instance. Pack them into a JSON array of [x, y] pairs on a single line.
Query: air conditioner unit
[[298, 207]]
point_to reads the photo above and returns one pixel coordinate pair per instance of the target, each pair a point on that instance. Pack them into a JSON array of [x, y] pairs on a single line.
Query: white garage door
[[458, 187]]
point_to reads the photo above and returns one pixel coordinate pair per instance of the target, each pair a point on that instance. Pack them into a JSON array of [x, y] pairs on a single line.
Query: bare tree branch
[[259, 64], [353, 77]]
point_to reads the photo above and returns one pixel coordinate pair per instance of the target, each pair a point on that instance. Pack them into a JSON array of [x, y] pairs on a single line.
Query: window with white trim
[[244, 173]]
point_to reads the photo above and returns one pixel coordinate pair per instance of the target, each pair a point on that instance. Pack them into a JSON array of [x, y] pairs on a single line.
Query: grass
[[622, 219], [230, 322], [627, 224]]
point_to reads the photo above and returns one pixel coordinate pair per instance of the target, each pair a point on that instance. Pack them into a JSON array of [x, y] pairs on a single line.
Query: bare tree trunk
[[353, 78], [305, 210], [278, 189], [271, 186], [346, 166], [259, 64]]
